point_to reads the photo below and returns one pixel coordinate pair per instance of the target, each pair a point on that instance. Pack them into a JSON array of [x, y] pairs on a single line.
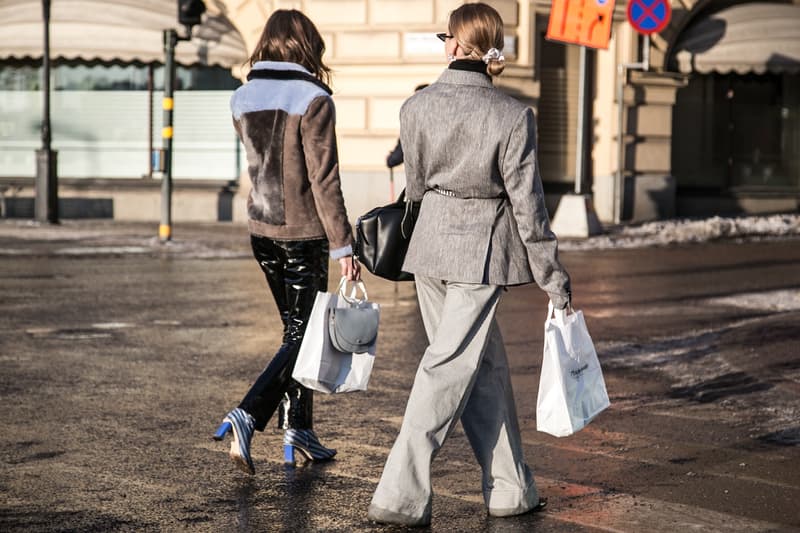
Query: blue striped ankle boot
[[307, 443], [242, 425]]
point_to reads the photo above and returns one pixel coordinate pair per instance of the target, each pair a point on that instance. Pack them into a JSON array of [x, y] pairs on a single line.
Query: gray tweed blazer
[[470, 157]]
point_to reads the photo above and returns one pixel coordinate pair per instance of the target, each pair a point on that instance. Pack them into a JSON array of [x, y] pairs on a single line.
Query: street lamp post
[[46, 201]]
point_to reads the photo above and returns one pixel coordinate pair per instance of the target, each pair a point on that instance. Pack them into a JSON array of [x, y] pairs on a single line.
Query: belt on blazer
[[454, 194], [445, 192]]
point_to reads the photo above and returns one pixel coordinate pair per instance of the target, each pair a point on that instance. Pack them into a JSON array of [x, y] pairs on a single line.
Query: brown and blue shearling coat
[[285, 119]]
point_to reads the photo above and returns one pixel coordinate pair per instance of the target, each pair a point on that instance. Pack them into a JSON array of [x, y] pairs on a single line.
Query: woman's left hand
[[351, 269]]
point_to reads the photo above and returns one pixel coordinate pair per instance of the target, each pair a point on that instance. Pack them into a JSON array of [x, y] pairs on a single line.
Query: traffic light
[[190, 12]]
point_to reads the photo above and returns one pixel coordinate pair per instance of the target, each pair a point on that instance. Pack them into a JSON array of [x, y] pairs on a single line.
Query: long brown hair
[[478, 28], [289, 35]]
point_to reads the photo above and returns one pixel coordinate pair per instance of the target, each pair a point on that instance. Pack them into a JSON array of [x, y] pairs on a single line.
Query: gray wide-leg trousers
[[463, 374]]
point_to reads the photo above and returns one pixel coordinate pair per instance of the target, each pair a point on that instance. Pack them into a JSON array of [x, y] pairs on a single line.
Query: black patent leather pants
[[295, 271]]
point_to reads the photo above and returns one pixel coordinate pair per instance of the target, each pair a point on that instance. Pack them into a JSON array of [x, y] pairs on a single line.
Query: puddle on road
[[702, 368], [784, 437], [95, 331], [68, 333], [718, 387], [99, 330]]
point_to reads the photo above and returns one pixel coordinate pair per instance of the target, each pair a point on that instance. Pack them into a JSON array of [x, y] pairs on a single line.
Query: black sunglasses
[[443, 37]]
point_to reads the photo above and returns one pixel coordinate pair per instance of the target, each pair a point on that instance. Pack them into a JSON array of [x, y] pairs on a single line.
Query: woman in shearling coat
[[285, 118], [470, 156]]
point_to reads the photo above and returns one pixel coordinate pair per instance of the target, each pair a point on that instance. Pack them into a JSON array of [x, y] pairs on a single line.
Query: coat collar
[[465, 77], [279, 65], [275, 70]]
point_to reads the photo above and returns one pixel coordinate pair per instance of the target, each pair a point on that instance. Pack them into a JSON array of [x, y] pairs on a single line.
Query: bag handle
[[560, 314], [406, 224], [352, 298]]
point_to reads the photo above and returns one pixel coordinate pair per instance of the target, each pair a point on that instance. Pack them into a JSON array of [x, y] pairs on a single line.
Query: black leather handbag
[[382, 237]]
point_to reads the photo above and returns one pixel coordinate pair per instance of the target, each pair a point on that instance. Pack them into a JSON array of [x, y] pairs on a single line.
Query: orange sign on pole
[[583, 22]]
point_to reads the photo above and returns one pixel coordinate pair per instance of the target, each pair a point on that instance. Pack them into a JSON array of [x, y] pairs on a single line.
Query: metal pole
[[165, 229], [150, 120], [391, 184], [580, 148], [46, 200]]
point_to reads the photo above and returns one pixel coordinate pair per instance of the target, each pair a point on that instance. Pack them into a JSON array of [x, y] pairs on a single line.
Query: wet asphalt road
[[118, 357]]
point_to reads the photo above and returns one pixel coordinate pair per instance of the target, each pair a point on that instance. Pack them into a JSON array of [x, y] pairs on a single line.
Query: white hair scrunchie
[[493, 55]]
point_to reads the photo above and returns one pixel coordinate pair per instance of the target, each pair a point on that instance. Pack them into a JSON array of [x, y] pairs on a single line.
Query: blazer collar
[[465, 77]]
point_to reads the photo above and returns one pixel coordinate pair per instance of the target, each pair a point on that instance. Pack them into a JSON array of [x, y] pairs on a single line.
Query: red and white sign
[[649, 16]]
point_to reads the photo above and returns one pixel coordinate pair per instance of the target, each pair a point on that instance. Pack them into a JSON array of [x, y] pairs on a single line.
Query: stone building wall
[[379, 50]]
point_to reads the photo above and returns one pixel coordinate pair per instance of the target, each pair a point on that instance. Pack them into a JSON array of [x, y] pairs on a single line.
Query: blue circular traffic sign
[[649, 16]]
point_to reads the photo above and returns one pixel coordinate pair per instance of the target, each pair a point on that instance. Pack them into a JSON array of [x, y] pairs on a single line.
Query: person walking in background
[[470, 156], [395, 157], [284, 116]]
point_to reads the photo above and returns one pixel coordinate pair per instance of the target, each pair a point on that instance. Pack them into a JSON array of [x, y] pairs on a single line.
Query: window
[[96, 77]]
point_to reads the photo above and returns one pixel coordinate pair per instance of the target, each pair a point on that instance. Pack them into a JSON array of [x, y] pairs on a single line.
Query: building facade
[[706, 129]]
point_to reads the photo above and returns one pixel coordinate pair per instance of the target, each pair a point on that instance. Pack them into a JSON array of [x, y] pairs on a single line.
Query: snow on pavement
[[135, 238], [685, 231]]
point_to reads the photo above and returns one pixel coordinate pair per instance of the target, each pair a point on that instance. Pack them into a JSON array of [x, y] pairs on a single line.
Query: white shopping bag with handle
[[571, 387], [320, 366]]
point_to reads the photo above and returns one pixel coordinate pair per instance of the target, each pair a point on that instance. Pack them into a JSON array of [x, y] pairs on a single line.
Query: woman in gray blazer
[[470, 157]]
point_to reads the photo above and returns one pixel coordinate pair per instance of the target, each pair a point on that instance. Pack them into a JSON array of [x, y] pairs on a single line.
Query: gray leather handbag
[[354, 327]]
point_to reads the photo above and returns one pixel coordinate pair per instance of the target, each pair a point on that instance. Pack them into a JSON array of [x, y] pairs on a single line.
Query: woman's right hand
[[351, 269]]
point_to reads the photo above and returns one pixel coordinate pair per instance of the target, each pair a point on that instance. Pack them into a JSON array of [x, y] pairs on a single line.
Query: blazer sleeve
[[524, 186], [415, 182], [318, 134]]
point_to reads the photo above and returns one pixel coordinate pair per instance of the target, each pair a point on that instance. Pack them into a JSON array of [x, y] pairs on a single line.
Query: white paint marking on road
[[113, 325], [14, 358], [16, 251], [101, 250], [94, 331], [40, 331]]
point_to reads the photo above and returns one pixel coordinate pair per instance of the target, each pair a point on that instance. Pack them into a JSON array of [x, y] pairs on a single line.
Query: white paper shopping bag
[[571, 387], [319, 365]]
